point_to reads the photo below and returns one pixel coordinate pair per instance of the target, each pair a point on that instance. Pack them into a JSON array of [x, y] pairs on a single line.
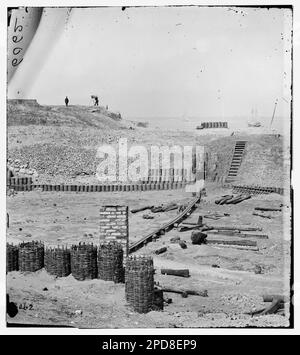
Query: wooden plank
[[239, 247], [239, 235], [267, 209], [211, 240], [241, 228]]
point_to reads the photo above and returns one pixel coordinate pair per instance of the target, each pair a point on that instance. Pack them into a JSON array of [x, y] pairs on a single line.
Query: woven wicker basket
[[58, 261], [139, 283], [110, 262], [84, 261], [31, 256], [12, 256]]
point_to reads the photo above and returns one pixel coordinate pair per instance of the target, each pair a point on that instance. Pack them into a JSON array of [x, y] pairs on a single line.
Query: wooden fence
[[159, 179]]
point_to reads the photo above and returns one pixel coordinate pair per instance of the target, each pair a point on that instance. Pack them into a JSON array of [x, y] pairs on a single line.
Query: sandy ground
[[233, 288]]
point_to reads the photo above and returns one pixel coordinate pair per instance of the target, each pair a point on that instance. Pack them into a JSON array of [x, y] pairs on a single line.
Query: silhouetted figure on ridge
[[66, 101]]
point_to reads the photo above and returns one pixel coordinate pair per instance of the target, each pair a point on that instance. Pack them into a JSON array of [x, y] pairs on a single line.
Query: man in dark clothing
[[66, 101], [96, 101]]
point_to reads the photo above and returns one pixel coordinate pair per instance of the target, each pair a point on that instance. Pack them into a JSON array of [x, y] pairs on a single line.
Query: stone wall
[[114, 225], [30, 102]]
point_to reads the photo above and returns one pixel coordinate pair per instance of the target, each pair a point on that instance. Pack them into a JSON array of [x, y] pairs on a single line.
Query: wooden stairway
[[236, 161]]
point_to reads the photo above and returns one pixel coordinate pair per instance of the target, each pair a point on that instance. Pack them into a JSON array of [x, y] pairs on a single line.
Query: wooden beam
[[184, 293], [178, 272], [248, 243]]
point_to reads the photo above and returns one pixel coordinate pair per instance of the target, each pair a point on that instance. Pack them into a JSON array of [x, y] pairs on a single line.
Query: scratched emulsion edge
[[22, 26], [50, 28]]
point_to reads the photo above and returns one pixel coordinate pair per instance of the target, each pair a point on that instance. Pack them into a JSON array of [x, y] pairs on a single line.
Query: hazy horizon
[[161, 61]]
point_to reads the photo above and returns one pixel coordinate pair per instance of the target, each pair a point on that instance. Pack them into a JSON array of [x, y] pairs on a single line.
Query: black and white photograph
[[148, 166]]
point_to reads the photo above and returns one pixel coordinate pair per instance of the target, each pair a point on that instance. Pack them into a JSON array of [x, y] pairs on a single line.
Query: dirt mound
[[265, 161], [21, 113], [59, 141]]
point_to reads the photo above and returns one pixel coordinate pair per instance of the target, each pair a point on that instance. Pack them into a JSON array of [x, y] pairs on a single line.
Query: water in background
[[280, 125]]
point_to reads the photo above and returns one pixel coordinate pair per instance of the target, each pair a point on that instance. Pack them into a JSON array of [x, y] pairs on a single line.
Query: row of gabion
[[85, 261], [139, 283]]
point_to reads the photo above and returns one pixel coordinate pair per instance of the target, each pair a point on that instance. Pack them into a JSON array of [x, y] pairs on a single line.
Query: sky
[[161, 61]]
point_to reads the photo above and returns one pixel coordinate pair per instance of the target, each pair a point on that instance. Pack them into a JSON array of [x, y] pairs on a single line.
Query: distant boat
[[254, 124]]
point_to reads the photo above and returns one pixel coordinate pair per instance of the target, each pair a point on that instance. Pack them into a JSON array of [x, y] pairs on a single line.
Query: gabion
[[58, 261], [84, 261], [110, 262], [12, 256], [139, 283], [31, 256]]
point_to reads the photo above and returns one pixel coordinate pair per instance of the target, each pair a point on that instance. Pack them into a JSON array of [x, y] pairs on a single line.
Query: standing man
[[66, 101]]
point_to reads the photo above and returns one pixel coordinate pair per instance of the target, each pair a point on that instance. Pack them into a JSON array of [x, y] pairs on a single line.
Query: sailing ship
[[254, 122]]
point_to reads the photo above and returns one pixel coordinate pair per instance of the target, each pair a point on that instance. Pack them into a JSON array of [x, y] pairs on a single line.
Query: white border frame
[[295, 177]]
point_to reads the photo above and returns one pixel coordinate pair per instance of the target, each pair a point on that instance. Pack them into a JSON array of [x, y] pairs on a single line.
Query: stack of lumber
[[231, 199], [262, 210]]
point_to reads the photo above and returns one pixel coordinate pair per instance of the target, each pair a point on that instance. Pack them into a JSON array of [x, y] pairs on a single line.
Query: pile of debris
[[156, 209], [54, 160], [277, 305], [231, 236], [231, 199], [261, 212], [21, 170]]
